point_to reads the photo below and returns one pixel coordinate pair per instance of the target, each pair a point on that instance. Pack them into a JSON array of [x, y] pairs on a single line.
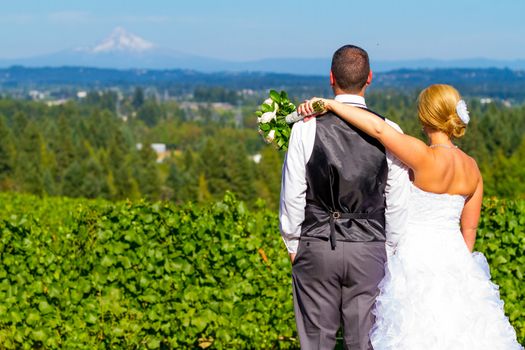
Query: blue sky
[[245, 30]]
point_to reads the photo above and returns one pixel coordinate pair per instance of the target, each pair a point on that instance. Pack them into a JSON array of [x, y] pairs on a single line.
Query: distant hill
[[20, 77], [321, 66], [124, 50], [490, 82]]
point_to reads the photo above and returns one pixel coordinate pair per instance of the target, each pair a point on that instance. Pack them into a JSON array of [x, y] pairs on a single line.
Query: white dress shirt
[[293, 184]]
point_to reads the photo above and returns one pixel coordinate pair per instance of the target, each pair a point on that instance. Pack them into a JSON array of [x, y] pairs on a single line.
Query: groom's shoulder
[[303, 129], [388, 121], [328, 117], [374, 112], [394, 125], [301, 124]]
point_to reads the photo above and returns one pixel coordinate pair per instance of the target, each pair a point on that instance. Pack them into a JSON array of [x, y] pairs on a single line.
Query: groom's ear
[[369, 79], [332, 79]]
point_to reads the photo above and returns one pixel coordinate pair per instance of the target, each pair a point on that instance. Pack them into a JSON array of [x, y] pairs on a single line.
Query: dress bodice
[[437, 295], [434, 210]]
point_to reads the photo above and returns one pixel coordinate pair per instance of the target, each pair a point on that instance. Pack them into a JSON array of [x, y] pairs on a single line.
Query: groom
[[342, 199]]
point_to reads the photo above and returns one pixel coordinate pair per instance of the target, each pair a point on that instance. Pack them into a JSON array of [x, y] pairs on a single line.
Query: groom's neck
[[338, 91]]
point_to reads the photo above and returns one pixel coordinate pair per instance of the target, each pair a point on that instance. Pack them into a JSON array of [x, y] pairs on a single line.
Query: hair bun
[[441, 108], [456, 127]]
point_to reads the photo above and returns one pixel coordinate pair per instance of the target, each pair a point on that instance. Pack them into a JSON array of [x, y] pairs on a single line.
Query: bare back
[[446, 170], [452, 171]]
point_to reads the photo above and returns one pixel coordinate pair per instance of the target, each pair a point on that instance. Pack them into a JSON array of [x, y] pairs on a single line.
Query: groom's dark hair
[[350, 68]]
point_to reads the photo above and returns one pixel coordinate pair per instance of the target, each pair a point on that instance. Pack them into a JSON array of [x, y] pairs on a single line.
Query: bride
[[435, 294]]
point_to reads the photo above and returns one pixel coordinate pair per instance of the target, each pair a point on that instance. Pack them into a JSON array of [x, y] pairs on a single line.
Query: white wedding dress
[[436, 295]]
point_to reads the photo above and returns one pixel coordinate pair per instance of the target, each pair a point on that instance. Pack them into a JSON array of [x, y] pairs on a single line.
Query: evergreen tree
[[269, 176], [183, 178], [227, 167], [150, 113], [104, 100], [203, 194], [7, 156], [73, 180], [138, 98], [20, 121], [121, 180], [29, 169], [504, 178], [100, 128], [94, 181], [173, 183], [49, 169], [145, 172], [61, 143], [50, 186]]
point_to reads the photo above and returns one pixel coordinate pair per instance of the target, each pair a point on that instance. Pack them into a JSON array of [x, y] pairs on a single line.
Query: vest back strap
[[336, 215]]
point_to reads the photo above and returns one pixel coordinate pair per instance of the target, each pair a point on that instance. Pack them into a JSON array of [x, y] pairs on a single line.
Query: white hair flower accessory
[[462, 111]]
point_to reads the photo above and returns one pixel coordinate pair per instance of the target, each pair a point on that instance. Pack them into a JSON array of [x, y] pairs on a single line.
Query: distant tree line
[[89, 148], [86, 150]]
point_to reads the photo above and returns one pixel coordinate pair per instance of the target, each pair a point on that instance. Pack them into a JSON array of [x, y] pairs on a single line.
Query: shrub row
[[97, 275], [501, 237]]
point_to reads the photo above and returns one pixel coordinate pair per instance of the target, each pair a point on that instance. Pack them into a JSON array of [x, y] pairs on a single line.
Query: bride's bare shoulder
[[471, 162], [471, 170]]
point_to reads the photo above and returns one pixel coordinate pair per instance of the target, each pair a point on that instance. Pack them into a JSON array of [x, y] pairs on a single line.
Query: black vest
[[346, 178]]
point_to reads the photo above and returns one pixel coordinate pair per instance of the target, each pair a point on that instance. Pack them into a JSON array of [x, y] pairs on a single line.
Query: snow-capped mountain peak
[[122, 40]]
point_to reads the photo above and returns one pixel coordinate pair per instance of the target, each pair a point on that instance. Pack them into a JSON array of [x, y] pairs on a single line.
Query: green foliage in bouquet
[[276, 115], [272, 119]]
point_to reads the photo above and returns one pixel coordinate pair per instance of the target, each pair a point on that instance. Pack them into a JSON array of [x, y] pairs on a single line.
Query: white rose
[[271, 136], [270, 102], [267, 117]]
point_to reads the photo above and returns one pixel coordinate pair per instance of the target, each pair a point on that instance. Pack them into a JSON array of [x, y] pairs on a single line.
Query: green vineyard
[[89, 274]]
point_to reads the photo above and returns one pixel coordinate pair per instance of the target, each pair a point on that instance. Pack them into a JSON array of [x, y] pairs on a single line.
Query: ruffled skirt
[[436, 295]]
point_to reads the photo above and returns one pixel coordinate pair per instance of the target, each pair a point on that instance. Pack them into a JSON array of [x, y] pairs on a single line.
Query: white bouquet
[[275, 117]]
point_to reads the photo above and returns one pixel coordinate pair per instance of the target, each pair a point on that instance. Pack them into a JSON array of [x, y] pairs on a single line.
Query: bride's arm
[[470, 215], [408, 149]]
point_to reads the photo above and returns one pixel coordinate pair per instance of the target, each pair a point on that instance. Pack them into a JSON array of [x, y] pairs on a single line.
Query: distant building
[[160, 149], [222, 105], [214, 105], [256, 158], [36, 95], [56, 102], [82, 94]]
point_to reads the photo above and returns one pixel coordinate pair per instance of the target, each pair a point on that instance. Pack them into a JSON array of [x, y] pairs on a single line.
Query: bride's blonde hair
[[437, 110]]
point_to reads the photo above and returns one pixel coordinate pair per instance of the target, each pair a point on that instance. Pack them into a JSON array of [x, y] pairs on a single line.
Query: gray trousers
[[334, 288]]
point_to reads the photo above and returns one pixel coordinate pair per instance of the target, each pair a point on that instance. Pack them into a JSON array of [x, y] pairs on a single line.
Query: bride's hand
[[313, 108]]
